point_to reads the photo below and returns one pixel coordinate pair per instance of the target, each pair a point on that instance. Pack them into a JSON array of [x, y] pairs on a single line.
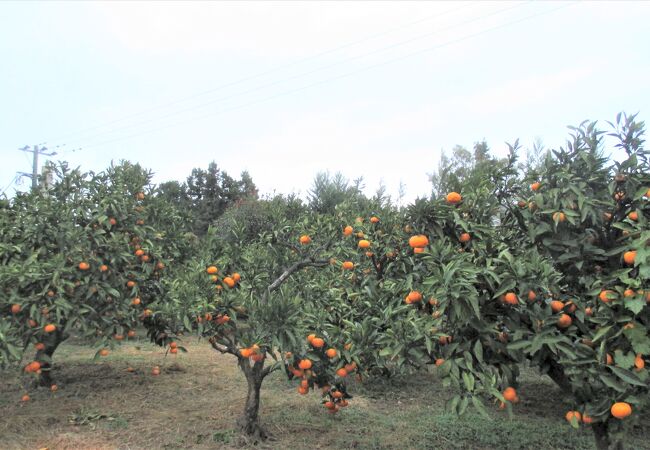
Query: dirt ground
[[196, 400]]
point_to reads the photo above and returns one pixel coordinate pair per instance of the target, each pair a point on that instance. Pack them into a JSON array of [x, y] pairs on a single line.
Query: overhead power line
[[301, 75], [338, 77], [261, 74]]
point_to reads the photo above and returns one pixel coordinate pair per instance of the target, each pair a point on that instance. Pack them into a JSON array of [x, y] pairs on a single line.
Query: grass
[[195, 401]]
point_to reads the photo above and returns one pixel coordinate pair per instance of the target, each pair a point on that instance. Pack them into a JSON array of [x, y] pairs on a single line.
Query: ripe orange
[[510, 394], [317, 342], [587, 419], [440, 362], [348, 346], [634, 216], [130, 283], [228, 281], [15, 308], [347, 231], [84, 265], [139, 252], [521, 204], [559, 216], [173, 351], [374, 219], [609, 360], [331, 353], [629, 257], [50, 293], [302, 390], [348, 265], [465, 237], [639, 363], [155, 371], [310, 338], [605, 296], [160, 266], [236, 277], [305, 364], [145, 258], [118, 337], [532, 296], [103, 352], [535, 186], [103, 268], [454, 198], [564, 321], [418, 250], [570, 307], [413, 296], [257, 357], [246, 352], [212, 270], [573, 414], [304, 239], [418, 240], [510, 298], [589, 311], [342, 372], [556, 306], [112, 221], [33, 366], [131, 333], [49, 328], [621, 410], [364, 243], [54, 388], [136, 301], [24, 398], [39, 346]]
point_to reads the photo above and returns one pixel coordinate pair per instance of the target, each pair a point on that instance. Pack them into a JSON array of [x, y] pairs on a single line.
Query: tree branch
[[294, 268]]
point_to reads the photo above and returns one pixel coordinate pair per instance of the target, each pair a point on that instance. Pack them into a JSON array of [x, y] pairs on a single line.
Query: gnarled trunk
[[249, 424], [52, 341]]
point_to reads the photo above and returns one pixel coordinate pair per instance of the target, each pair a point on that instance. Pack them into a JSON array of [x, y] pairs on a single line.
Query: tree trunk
[[44, 357], [249, 423], [556, 373]]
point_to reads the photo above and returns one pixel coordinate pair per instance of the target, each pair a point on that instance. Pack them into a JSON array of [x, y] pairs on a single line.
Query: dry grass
[[194, 403]]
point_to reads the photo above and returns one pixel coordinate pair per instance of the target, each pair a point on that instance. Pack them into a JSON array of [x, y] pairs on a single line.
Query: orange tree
[[78, 257], [248, 291], [590, 217], [553, 272], [436, 284]]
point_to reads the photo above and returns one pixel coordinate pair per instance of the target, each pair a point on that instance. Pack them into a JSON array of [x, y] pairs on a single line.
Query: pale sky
[[287, 89]]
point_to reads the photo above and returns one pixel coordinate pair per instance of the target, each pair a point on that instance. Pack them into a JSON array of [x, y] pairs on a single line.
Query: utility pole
[[36, 151]]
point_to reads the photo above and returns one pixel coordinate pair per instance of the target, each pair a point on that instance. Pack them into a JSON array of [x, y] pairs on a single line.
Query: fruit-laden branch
[[291, 270]]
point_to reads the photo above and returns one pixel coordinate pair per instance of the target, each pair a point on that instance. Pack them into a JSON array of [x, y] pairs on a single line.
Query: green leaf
[[613, 383], [627, 376], [478, 404], [635, 304], [478, 351], [601, 333]]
